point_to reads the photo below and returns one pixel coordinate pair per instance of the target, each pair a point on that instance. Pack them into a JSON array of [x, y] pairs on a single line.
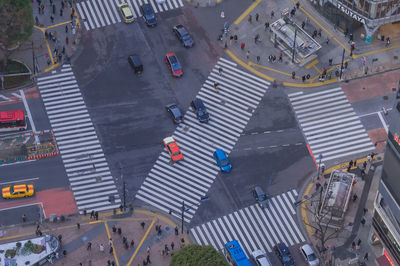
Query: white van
[[261, 258]]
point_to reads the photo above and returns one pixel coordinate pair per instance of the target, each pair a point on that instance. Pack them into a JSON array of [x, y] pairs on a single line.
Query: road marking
[[141, 241], [25, 205], [260, 147], [22, 180], [9, 164], [246, 12], [383, 122], [16, 95], [28, 112], [312, 64]]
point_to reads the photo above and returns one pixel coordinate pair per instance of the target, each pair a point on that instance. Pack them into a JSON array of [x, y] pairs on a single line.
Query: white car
[[309, 255], [261, 258], [160, 2]]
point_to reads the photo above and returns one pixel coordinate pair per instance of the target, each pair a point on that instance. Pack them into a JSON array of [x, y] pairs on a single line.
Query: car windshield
[[287, 258], [225, 162], [176, 153], [186, 37], [149, 16], [174, 63], [312, 257], [262, 197]]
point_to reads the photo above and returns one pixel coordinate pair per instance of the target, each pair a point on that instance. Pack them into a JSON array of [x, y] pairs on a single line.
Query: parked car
[[260, 197], [175, 113], [223, 162], [260, 257], [309, 255], [183, 35], [283, 254], [173, 65], [136, 63], [17, 191], [149, 15], [126, 13], [173, 149], [200, 110]]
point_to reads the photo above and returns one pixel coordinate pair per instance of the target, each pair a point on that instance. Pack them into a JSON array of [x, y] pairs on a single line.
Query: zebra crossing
[[255, 228], [167, 185], [330, 125], [86, 167], [100, 13]]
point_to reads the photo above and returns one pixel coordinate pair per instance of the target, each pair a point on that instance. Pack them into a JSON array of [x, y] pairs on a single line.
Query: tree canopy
[[16, 24], [194, 255]]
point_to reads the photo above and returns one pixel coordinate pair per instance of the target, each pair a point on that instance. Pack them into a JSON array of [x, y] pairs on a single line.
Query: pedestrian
[[62, 4], [387, 42], [172, 245], [89, 246], [176, 230], [372, 155], [303, 78], [54, 9], [101, 247], [230, 40], [78, 225], [242, 45], [42, 8], [23, 218], [362, 173], [366, 256], [92, 214], [272, 14], [63, 52], [110, 242], [182, 242], [165, 247], [52, 19], [256, 38], [359, 242], [297, 5], [351, 163], [142, 224], [222, 14], [51, 2], [66, 42], [351, 37], [40, 233], [111, 250], [257, 16], [36, 21], [293, 75], [73, 30], [258, 59], [39, 10], [84, 212], [273, 58], [132, 243], [61, 12], [303, 24], [308, 76], [330, 61], [280, 57], [235, 38], [364, 165], [57, 255], [365, 210], [327, 40], [369, 158], [266, 25], [114, 229], [96, 214], [148, 259], [59, 57], [148, 250], [248, 54], [124, 240], [64, 253], [59, 238], [346, 64], [319, 33], [144, 263], [363, 221], [220, 71], [355, 163], [119, 231], [250, 19]]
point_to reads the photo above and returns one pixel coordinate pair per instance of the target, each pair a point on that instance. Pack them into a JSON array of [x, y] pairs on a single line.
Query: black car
[[200, 109], [149, 15], [284, 254], [136, 63], [260, 197], [183, 35], [175, 113]]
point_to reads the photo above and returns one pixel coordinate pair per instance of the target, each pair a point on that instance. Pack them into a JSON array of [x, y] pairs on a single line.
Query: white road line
[[383, 122], [28, 112], [19, 181]]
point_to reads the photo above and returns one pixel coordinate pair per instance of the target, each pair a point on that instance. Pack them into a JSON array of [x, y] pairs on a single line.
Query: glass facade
[[373, 9]]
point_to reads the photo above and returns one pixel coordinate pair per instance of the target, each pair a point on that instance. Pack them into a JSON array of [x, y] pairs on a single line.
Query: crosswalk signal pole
[[183, 211]]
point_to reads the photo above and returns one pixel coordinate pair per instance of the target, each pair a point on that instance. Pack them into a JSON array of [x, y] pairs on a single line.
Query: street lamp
[[123, 185], [319, 164]]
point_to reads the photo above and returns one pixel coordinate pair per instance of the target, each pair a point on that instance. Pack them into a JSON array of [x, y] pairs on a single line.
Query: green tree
[[194, 255], [16, 24]]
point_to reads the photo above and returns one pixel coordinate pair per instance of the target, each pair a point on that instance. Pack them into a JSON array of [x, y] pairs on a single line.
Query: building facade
[[370, 13], [386, 216]]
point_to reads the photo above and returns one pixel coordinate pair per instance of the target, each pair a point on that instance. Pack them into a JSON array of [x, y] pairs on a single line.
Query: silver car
[[260, 197], [309, 255], [260, 258]]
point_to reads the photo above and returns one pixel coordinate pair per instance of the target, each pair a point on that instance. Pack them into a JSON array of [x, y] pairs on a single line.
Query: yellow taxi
[[126, 13], [17, 191]]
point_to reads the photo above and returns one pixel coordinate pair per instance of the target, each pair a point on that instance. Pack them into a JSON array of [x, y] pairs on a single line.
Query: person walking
[[61, 12], [366, 256], [101, 248], [111, 250], [54, 9], [303, 24], [266, 25], [235, 38], [257, 16], [250, 19], [66, 42], [363, 221], [280, 57], [119, 230], [220, 71], [176, 230], [148, 259], [23, 218], [387, 42], [272, 14], [89, 246], [92, 214], [110, 242], [78, 225], [216, 86], [258, 59], [172, 245], [52, 19], [248, 54], [132, 243], [96, 214], [242, 45], [142, 224]]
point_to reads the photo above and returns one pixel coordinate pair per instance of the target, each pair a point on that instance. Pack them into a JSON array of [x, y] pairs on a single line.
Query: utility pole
[[183, 217], [341, 65], [123, 185], [33, 61], [294, 42], [319, 164]]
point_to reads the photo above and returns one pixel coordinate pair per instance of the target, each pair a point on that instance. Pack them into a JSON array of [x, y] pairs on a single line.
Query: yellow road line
[[245, 13], [141, 241], [234, 57], [303, 211], [268, 68], [312, 64], [163, 218], [317, 84], [322, 27], [316, 68], [376, 51], [59, 24], [112, 243]]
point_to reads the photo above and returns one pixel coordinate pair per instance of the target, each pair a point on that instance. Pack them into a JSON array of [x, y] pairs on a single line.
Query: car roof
[[282, 248], [221, 154], [126, 9], [307, 249], [258, 252], [181, 29], [198, 102], [259, 190]]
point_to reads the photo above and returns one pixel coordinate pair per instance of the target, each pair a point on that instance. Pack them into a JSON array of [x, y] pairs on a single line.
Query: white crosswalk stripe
[[81, 152], [332, 128], [101, 13], [251, 227], [167, 185]]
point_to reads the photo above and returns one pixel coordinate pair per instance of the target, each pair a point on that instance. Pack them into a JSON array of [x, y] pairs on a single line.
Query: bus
[[12, 121], [235, 254]]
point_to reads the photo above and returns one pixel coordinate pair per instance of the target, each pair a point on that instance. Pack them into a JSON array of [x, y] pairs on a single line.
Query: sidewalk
[[340, 250], [143, 239], [254, 57]]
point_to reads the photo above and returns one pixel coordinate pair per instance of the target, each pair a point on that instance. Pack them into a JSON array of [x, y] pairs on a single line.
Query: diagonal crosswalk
[[330, 125], [81, 152], [253, 227], [100, 13], [167, 185]]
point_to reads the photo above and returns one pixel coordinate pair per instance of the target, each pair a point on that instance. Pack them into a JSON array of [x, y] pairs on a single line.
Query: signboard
[[350, 13]]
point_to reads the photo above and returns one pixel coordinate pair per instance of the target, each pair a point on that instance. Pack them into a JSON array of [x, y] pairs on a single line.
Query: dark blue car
[[183, 35], [200, 110], [222, 160], [284, 254], [149, 15]]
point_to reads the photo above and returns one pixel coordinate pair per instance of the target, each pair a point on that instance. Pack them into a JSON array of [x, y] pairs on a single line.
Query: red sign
[[396, 138], [388, 258]]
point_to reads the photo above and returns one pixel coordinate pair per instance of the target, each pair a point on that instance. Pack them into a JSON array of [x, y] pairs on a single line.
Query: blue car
[[222, 161], [149, 15], [183, 35], [284, 254]]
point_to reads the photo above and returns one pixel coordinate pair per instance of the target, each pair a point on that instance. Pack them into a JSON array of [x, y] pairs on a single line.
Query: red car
[[173, 149], [173, 65]]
